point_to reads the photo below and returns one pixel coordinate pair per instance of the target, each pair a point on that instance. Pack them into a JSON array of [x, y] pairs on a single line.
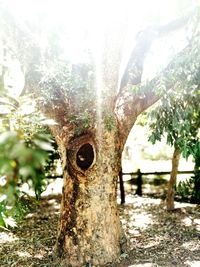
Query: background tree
[[176, 117], [93, 114]]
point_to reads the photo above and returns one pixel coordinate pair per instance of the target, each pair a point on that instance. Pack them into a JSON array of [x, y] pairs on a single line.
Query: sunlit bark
[[172, 180], [89, 228]]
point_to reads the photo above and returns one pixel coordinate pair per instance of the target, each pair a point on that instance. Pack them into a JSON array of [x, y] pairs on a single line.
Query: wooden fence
[[139, 181], [137, 178]]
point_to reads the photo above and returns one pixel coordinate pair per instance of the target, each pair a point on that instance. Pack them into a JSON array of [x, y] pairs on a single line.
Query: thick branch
[[144, 39], [130, 104]]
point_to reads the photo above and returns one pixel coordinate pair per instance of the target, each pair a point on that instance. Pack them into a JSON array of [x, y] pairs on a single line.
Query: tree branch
[[130, 104], [133, 72]]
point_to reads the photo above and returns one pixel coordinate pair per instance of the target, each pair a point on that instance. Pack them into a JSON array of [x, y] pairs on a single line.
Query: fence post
[[139, 183], [121, 184]]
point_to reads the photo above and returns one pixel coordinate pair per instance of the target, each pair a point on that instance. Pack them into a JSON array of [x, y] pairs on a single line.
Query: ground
[[157, 237]]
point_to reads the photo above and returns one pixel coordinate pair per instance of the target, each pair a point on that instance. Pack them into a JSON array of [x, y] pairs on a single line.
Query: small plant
[[11, 215], [82, 121], [191, 187], [109, 122], [184, 188]]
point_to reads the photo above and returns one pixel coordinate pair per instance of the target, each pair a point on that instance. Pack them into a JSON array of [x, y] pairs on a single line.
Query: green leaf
[[9, 221], [43, 145]]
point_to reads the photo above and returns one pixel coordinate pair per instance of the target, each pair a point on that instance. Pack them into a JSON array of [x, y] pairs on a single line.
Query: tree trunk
[[172, 180], [89, 229]]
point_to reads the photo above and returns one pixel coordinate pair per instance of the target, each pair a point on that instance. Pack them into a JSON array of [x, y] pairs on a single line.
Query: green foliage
[[24, 152], [66, 81], [21, 163], [142, 119], [189, 189], [10, 215], [5, 219], [82, 121], [109, 122], [176, 116], [135, 89], [184, 188]]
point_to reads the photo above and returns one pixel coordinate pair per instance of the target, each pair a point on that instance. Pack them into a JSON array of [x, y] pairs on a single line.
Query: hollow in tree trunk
[[89, 228]]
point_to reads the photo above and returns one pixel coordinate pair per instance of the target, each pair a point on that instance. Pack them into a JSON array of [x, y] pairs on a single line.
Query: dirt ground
[[157, 237]]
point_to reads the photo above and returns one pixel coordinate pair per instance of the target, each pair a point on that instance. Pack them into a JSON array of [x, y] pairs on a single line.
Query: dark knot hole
[[85, 156]]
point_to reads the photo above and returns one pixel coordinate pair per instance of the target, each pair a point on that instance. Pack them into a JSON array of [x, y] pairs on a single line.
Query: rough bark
[[89, 227], [172, 180]]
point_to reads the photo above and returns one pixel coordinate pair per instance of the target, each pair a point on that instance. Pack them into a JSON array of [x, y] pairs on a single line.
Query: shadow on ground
[[157, 237]]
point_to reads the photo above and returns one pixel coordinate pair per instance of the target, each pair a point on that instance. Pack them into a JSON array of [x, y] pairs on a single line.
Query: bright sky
[[77, 16], [84, 22]]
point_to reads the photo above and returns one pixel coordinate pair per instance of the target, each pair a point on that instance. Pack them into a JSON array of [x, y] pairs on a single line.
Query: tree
[[176, 117], [93, 118]]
